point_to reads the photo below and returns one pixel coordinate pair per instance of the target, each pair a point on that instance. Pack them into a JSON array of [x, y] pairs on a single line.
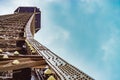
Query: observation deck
[[24, 58]]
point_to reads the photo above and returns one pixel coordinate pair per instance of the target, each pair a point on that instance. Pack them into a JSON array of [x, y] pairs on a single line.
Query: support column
[[22, 74]]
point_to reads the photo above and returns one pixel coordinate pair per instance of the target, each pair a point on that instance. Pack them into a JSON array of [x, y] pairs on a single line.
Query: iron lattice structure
[[17, 35]]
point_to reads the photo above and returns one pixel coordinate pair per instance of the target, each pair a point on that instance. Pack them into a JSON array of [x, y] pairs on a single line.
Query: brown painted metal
[[62, 69], [24, 63]]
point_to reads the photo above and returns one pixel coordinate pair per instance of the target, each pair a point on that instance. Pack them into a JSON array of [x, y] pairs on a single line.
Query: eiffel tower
[[24, 58]]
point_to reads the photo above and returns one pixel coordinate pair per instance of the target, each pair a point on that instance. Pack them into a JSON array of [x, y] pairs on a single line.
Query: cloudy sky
[[86, 33]]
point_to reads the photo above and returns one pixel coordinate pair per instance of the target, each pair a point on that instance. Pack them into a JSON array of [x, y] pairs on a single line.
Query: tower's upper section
[[27, 10], [34, 10]]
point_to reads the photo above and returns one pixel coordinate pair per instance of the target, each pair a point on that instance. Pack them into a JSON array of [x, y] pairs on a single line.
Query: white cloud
[[5, 10], [110, 53], [22, 3], [110, 46], [52, 34], [89, 6], [13, 4]]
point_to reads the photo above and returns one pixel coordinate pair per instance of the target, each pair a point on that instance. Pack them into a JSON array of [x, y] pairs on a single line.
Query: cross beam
[[25, 62]]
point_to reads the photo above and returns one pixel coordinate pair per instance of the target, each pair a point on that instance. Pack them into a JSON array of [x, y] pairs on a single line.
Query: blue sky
[[86, 33]]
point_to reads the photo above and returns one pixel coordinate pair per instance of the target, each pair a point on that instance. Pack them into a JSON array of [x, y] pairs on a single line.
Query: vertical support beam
[[22, 74]]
